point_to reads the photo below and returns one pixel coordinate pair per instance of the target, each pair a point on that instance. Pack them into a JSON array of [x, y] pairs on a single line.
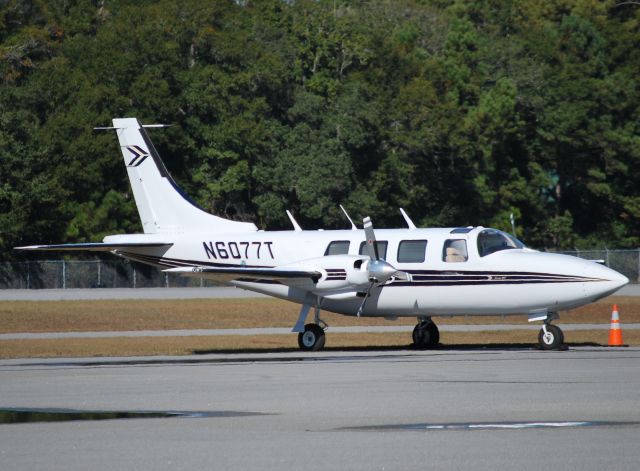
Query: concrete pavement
[[482, 409]]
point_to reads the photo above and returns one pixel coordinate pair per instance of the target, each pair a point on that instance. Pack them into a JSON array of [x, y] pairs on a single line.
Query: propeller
[[380, 271]]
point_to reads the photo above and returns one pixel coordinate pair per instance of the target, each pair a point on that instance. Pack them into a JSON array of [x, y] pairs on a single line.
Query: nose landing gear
[[550, 337]]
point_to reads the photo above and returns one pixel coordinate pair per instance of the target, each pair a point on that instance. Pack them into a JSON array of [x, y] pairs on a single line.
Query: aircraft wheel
[[553, 339], [312, 339], [426, 335]]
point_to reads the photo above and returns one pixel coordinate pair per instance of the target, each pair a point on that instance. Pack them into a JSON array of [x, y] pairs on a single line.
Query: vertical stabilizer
[[163, 206]]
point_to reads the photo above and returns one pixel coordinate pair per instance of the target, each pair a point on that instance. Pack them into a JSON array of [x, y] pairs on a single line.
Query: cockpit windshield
[[493, 240]]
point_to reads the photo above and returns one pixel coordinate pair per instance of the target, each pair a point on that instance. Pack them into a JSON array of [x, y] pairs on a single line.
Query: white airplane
[[390, 273]]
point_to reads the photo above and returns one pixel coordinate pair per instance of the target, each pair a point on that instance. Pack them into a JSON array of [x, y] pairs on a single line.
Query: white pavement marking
[[286, 330]]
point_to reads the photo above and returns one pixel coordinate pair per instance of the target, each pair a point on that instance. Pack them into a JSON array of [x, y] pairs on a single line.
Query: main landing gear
[[311, 337], [425, 333]]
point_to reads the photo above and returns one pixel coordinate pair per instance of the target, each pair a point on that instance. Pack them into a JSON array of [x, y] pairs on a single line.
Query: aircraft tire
[[312, 339], [426, 335], [554, 338]]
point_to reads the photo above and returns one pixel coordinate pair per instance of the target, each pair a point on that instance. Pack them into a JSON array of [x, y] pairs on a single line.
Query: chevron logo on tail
[[139, 156]]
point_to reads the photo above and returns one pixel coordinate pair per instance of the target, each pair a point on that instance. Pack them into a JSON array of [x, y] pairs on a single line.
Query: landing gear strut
[[550, 337], [311, 338], [425, 333]]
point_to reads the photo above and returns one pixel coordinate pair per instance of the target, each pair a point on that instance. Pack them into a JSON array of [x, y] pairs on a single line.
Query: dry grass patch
[[144, 346], [115, 315], [119, 315]]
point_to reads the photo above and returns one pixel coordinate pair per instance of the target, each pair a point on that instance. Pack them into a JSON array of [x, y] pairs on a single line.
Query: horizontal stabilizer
[[96, 246], [238, 272], [106, 128]]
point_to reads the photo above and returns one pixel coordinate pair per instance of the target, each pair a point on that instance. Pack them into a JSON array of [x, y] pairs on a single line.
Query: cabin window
[[412, 251], [492, 240], [382, 248], [455, 250], [337, 247]]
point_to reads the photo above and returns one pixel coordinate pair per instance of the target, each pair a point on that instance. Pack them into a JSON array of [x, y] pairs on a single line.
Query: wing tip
[[28, 247]]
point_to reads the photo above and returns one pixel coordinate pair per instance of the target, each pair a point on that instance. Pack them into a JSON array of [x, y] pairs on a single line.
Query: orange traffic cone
[[615, 333]]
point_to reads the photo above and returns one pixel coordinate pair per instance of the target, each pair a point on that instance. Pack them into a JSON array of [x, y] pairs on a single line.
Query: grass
[[86, 316], [82, 316], [126, 346]]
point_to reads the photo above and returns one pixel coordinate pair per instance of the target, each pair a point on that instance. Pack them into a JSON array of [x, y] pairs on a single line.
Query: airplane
[[390, 273]]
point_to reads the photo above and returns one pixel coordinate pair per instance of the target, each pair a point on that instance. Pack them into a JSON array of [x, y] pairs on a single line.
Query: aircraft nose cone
[[606, 281], [602, 272], [621, 280]]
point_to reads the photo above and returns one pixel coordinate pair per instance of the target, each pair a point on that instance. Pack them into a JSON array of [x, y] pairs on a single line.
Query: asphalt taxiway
[[393, 409]]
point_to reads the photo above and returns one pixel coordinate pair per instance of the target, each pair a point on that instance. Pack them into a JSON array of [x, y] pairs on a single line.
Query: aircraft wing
[[96, 246], [234, 273]]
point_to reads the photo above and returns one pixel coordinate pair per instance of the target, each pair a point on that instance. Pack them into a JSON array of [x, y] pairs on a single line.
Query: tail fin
[[162, 205]]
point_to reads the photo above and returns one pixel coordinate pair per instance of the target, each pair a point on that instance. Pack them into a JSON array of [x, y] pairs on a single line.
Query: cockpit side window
[[455, 251], [492, 240], [337, 247]]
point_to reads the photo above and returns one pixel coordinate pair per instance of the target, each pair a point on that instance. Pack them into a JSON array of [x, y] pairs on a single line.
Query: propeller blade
[[372, 247], [379, 270], [364, 300]]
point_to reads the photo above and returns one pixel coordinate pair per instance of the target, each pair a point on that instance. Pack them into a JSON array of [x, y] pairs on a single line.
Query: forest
[[460, 112]]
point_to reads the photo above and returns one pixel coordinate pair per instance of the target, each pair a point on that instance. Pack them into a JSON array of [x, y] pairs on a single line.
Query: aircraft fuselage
[[507, 281]]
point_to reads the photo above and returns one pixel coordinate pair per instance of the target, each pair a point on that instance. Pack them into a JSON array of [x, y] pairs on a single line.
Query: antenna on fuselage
[[353, 226], [296, 226], [407, 219]]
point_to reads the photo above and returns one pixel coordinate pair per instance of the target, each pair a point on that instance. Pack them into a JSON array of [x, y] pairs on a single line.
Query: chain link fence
[[61, 274]]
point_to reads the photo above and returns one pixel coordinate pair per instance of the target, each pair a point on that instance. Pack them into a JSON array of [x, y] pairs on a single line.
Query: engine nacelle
[[339, 272]]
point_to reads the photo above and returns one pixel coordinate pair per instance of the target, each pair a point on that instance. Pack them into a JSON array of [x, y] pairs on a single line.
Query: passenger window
[[337, 247], [455, 250], [412, 251], [382, 248]]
